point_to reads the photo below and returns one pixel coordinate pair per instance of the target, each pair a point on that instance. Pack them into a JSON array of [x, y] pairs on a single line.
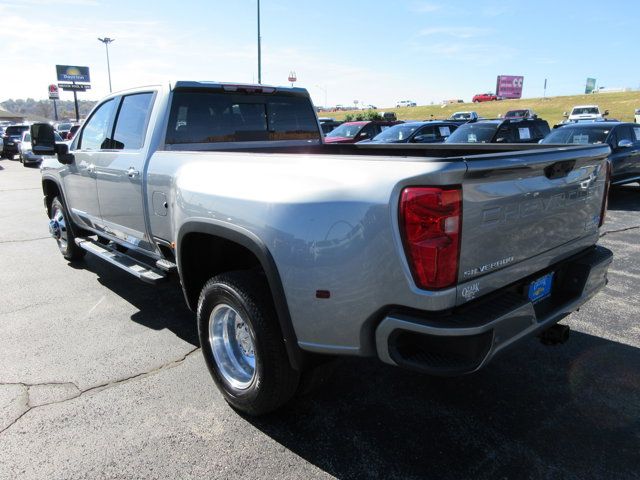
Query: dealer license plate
[[541, 288]]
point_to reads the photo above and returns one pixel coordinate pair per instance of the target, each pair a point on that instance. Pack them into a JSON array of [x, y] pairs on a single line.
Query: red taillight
[[605, 200], [430, 221]]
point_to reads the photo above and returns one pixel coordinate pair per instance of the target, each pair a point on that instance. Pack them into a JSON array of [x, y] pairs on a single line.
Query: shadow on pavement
[[570, 411], [161, 306], [626, 198]]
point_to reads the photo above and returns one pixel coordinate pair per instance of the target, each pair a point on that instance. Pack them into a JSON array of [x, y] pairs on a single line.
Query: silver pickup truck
[[434, 258]]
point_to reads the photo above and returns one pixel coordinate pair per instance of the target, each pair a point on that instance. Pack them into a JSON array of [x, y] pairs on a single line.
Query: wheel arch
[[242, 250]]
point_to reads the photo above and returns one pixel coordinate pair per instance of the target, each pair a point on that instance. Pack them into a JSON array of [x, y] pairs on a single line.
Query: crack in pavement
[[94, 389], [620, 230], [25, 240]]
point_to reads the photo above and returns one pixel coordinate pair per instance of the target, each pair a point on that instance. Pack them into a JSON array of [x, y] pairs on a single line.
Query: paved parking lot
[[101, 377]]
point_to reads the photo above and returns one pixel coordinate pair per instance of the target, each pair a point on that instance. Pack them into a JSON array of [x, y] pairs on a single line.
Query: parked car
[[72, 131], [415, 132], [586, 113], [328, 124], [63, 128], [637, 115], [465, 116], [353, 132], [12, 137], [406, 103], [389, 116], [623, 139], [524, 130], [522, 113], [292, 252], [485, 97], [26, 154]]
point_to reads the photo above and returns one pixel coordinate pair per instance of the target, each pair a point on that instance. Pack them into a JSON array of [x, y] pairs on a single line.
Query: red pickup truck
[[485, 97]]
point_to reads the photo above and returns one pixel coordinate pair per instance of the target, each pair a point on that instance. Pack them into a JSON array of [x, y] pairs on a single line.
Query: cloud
[[457, 32], [424, 7]]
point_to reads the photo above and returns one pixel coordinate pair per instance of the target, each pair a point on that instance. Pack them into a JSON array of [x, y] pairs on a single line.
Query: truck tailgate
[[517, 206]]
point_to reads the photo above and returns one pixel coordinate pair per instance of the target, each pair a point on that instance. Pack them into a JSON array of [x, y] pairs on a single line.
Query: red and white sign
[[509, 86], [53, 92], [292, 76]]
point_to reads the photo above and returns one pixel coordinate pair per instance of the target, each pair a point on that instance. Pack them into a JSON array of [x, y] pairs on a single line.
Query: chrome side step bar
[[129, 264]]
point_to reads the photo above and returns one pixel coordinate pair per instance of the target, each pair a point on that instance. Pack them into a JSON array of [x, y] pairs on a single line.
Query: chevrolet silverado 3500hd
[[430, 257]]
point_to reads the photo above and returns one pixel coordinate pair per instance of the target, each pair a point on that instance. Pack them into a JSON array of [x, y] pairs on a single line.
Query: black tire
[[66, 242], [274, 381], [10, 156]]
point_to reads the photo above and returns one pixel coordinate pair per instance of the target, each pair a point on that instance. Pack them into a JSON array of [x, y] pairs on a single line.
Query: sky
[[376, 52]]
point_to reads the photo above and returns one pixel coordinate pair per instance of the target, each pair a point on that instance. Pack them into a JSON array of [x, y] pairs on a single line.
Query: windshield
[[16, 131], [461, 116], [585, 135], [346, 131], [397, 133], [64, 126], [585, 111], [516, 113], [473, 133]]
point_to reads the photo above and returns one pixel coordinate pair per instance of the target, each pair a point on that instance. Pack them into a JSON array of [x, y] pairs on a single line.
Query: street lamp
[[107, 41]]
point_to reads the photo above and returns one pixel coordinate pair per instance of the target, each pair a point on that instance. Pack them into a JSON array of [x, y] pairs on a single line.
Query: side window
[[132, 120], [369, 131], [636, 133], [94, 134], [624, 132], [427, 134], [504, 135]]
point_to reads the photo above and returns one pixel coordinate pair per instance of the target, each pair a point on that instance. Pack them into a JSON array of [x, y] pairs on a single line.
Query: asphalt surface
[[101, 377]]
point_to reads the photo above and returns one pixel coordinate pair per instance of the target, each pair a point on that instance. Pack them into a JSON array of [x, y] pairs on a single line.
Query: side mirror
[[606, 112], [565, 114], [64, 156], [625, 144], [43, 139]]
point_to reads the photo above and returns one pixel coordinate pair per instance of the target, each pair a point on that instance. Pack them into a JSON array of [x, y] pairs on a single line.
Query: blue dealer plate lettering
[[540, 288]]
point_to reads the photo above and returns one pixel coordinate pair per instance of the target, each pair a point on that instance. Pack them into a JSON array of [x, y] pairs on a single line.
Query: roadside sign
[[53, 92], [509, 86], [70, 73], [74, 87], [590, 85]]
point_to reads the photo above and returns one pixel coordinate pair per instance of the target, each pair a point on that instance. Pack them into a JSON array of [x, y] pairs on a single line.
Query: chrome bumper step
[[135, 267]]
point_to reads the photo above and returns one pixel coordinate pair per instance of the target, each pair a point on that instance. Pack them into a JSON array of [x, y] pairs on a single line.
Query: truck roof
[[231, 86]]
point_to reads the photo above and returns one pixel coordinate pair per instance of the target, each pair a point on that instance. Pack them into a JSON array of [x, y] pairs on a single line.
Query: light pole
[[259, 50], [107, 41]]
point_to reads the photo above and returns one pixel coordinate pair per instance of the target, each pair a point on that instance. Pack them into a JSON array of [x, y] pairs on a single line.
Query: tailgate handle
[[559, 169]]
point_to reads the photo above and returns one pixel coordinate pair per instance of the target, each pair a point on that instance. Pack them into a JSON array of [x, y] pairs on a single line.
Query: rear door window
[[131, 123], [211, 117]]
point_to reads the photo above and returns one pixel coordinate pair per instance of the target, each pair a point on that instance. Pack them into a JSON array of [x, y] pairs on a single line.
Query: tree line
[[44, 108]]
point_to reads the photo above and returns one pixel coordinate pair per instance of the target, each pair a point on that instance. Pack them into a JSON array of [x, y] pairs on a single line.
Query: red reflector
[[323, 294], [430, 221]]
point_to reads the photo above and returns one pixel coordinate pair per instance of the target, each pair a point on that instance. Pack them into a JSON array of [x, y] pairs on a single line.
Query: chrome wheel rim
[[58, 227], [232, 342]]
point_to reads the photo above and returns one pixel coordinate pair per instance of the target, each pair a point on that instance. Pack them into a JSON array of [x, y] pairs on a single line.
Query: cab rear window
[[212, 117]]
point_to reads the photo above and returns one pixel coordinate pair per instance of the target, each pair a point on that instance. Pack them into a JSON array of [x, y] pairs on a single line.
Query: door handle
[[132, 172]]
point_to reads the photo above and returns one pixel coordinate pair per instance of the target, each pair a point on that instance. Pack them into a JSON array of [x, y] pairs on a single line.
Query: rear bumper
[[466, 339]]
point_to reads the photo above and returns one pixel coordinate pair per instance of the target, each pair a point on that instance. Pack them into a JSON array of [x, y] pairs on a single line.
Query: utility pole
[[259, 48], [544, 95], [107, 41]]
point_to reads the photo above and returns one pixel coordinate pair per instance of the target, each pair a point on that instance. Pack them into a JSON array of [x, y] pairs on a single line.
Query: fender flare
[[252, 243]]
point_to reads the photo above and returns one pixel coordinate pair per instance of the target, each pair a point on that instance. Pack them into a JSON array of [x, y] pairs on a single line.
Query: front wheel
[[61, 230], [242, 343]]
